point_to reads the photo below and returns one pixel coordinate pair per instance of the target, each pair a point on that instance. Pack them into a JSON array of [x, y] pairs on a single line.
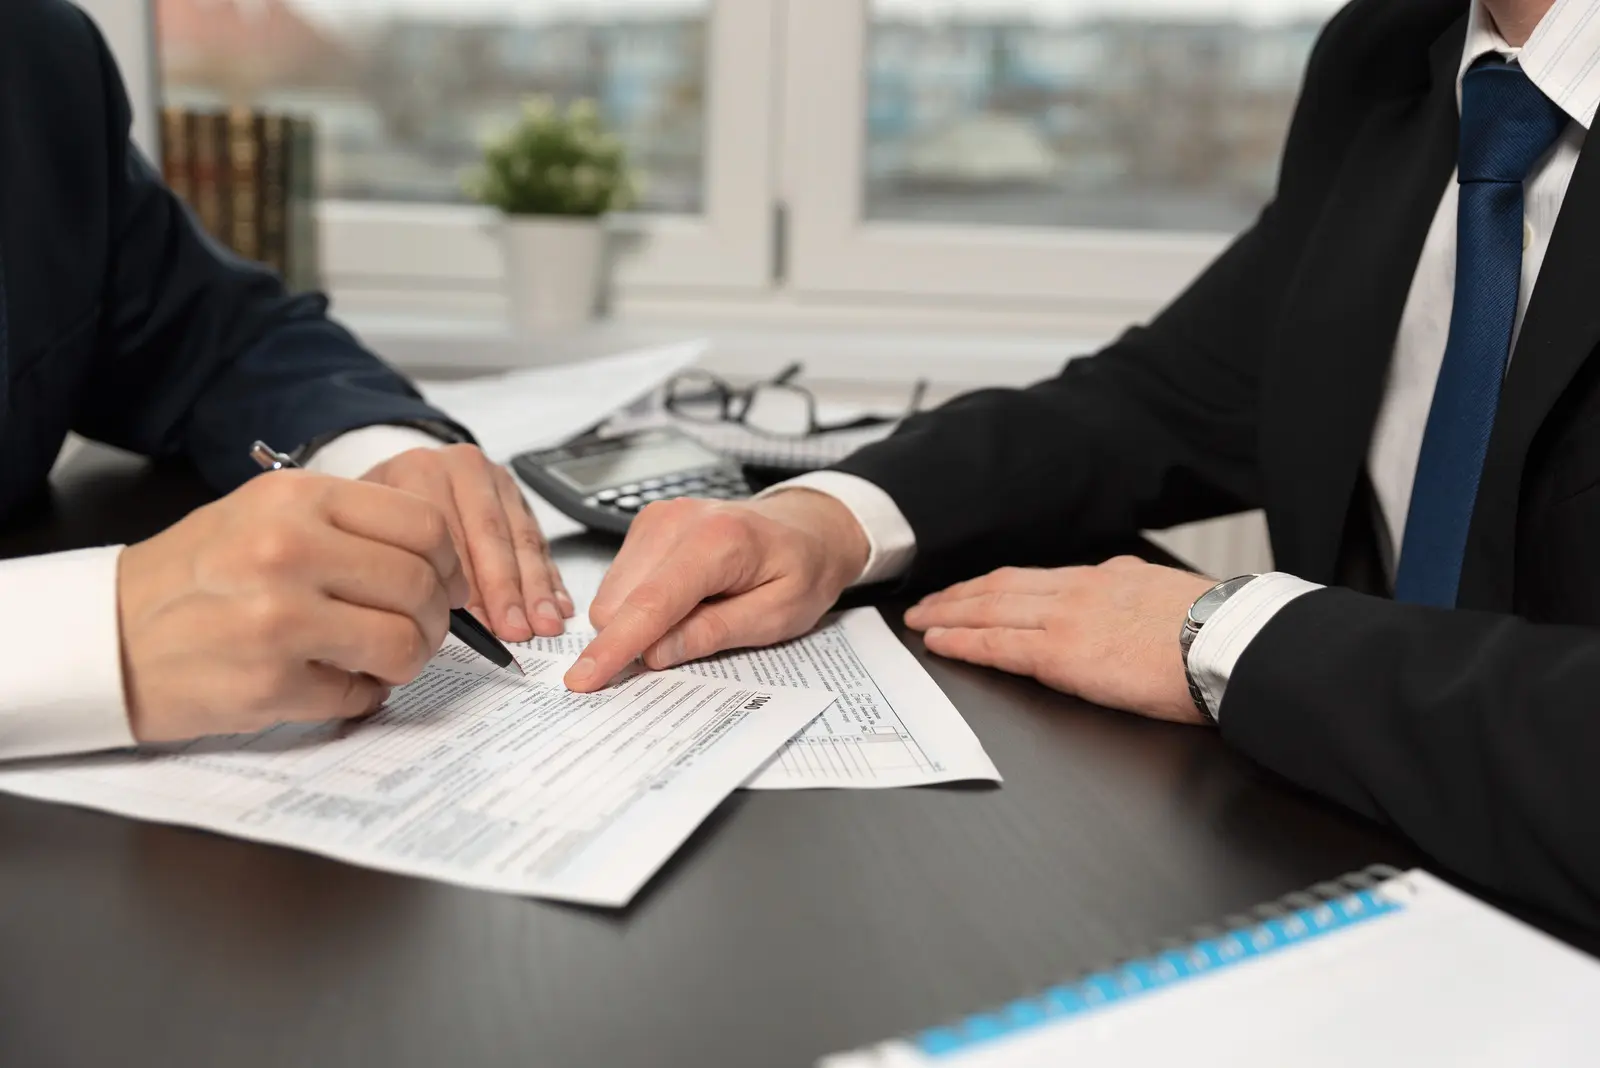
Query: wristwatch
[[1204, 607]]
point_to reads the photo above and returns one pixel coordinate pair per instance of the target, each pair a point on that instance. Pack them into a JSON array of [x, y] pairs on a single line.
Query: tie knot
[[1506, 124]]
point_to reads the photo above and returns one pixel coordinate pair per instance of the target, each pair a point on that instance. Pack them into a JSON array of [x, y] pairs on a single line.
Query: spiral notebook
[[1377, 969], [790, 455]]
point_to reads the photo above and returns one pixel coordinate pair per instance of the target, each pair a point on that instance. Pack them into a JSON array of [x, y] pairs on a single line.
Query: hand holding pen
[[463, 624], [300, 597]]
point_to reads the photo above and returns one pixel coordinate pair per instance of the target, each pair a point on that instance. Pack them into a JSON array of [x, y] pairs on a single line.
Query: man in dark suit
[[299, 596], [1428, 653]]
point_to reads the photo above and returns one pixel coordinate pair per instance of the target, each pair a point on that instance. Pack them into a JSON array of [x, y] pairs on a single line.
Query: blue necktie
[[1507, 124]]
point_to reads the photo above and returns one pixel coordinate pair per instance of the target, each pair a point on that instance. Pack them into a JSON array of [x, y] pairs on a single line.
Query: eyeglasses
[[777, 407]]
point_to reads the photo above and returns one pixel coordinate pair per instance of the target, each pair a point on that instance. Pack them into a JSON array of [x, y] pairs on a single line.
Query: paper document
[[890, 724], [544, 406], [469, 776]]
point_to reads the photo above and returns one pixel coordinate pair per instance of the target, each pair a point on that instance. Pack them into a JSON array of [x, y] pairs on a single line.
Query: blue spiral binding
[[1296, 919]]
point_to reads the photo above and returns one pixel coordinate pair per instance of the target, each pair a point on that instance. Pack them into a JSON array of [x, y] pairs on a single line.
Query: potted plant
[[554, 176]]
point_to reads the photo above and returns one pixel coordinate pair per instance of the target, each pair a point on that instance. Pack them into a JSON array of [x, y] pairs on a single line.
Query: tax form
[[469, 776], [889, 724]]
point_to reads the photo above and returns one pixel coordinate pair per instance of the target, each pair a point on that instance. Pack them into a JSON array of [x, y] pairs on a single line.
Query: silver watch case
[[1205, 606]]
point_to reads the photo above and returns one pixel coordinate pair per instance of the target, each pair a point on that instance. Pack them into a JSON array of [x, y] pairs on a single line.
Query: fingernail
[[546, 610], [567, 607], [379, 699], [671, 650], [583, 671], [517, 618], [934, 633]]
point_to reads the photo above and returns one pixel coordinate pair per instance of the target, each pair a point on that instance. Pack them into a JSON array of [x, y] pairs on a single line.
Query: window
[[1078, 113], [404, 92], [1087, 155]]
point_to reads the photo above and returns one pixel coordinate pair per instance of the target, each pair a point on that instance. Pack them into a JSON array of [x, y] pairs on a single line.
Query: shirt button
[[1527, 235]]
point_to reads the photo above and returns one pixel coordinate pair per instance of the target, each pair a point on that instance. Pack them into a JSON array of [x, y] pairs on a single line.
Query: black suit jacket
[[118, 319], [1475, 731]]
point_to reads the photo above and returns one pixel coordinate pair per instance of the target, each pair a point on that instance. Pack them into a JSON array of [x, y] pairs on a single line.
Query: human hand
[[296, 597], [1108, 634], [516, 589], [697, 577]]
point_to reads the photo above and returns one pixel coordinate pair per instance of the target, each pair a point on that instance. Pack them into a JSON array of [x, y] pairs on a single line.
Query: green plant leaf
[[555, 162]]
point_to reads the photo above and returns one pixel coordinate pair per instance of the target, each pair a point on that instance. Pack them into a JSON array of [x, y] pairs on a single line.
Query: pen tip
[[514, 666]]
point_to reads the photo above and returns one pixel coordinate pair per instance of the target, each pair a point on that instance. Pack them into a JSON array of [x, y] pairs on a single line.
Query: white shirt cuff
[[1222, 641], [352, 455], [890, 540], [61, 656]]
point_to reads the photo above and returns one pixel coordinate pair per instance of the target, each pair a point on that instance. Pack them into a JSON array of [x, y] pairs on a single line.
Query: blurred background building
[[405, 101], [1129, 122]]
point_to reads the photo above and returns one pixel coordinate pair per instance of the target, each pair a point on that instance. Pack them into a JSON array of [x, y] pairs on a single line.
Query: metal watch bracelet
[[1200, 612]]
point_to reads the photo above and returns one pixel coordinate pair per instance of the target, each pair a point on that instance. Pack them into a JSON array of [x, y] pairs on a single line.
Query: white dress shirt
[[67, 697], [1562, 58]]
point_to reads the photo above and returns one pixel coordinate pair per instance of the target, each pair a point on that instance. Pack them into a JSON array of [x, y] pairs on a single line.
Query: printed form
[[888, 725], [469, 776]]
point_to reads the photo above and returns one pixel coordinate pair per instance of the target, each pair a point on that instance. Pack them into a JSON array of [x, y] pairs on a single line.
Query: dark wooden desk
[[792, 925]]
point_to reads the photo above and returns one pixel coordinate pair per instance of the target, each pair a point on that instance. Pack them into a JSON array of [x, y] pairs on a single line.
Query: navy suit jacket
[[119, 318]]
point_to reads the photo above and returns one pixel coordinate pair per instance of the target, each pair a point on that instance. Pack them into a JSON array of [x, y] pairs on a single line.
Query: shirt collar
[[1562, 56]]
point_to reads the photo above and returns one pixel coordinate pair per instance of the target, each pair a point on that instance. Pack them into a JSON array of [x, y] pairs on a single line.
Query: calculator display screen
[[588, 474]]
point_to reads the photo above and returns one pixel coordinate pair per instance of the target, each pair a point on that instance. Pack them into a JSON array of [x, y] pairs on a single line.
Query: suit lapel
[[1343, 313], [1559, 332]]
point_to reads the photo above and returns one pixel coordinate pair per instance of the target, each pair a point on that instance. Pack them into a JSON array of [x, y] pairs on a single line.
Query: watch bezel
[[1216, 597]]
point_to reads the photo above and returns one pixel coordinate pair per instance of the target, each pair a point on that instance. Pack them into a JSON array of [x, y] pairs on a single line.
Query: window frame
[[784, 231], [444, 259], [130, 33], [836, 252]]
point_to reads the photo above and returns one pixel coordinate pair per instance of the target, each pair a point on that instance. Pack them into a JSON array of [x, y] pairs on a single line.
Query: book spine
[[304, 269], [244, 186], [177, 167], [274, 170], [207, 189]]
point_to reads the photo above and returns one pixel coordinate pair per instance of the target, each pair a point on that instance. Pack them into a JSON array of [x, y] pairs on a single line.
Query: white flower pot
[[553, 267]]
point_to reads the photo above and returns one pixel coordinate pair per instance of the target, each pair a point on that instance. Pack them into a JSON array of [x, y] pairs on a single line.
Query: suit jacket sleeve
[[202, 353], [1158, 429], [1474, 734]]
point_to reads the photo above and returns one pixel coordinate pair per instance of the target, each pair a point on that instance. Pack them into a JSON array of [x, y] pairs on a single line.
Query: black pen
[[463, 624]]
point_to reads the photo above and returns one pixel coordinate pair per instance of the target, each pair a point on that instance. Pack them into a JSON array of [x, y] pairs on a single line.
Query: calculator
[[604, 482]]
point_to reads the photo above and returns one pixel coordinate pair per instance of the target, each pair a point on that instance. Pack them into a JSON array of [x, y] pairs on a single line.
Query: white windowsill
[[859, 355]]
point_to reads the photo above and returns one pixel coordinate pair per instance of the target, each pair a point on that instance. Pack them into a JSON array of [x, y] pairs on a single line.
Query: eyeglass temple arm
[[918, 391], [788, 374]]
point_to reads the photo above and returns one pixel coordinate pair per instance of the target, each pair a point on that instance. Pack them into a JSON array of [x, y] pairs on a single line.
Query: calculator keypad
[[712, 484]]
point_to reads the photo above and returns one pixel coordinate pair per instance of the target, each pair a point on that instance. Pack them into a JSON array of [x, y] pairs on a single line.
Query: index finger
[[397, 518], [644, 617]]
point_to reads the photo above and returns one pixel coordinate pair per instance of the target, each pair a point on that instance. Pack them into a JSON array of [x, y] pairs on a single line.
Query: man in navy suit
[[300, 595], [1399, 363]]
